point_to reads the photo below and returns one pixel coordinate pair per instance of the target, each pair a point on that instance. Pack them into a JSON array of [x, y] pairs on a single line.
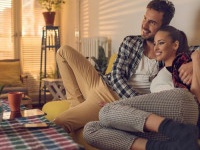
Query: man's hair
[[164, 6]]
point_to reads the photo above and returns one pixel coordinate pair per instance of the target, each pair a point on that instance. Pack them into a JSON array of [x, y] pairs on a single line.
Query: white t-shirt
[[163, 81], [140, 79]]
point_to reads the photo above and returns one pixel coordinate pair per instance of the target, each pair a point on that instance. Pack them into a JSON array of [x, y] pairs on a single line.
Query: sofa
[[12, 77]]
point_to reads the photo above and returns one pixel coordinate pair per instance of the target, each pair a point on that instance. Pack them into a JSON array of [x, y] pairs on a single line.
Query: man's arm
[[185, 73], [195, 85], [186, 70]]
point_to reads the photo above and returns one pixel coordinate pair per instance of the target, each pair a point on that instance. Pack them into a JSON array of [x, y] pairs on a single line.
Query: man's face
[[151, 23]]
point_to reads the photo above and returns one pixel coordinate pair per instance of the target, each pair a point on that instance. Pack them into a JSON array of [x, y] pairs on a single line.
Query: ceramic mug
[[14, 100]]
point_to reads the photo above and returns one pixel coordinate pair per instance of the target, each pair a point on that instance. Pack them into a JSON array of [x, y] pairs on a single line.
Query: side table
[[55, 87]]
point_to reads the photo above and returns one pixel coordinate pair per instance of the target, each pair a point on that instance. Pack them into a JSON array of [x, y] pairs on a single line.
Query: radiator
[[89, 46]]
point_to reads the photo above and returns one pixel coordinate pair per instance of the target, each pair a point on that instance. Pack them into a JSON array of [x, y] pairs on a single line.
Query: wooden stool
[[55, 87]]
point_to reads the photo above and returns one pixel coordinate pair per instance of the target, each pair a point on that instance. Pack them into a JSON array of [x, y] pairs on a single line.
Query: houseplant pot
[[49, 18], [50, 6]]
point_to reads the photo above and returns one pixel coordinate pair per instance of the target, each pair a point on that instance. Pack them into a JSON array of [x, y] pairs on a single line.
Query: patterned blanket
[[14, 136]]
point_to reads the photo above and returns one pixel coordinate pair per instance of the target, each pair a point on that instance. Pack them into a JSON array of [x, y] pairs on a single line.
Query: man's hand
[[185, 73]]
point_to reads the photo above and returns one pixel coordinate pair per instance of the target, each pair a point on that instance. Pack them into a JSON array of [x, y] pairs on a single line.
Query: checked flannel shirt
[[129, 56]]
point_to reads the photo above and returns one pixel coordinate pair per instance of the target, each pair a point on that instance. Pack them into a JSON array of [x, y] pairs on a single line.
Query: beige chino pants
[[83, 83]]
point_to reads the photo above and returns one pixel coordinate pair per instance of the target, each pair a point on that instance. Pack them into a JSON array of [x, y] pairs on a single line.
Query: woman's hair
[[177, 35], [164, 6]]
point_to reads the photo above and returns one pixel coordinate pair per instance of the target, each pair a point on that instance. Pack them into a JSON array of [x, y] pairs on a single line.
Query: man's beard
[[150, 39]]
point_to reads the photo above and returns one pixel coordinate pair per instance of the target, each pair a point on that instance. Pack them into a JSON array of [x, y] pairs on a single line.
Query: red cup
[[14, 100]]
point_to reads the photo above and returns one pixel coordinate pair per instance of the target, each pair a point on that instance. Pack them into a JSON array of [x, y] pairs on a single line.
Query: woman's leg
[[185, 136], [77, 73], [130, 114], [177, 104], [107, 138]]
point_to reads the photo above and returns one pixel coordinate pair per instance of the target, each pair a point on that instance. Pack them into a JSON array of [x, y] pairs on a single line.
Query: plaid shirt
[[129, 55]]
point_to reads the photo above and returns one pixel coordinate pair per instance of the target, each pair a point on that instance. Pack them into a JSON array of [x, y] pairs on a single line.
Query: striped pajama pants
[[121, 122]]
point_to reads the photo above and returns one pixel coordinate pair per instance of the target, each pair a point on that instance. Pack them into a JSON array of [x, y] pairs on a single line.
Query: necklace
[[151, 65]]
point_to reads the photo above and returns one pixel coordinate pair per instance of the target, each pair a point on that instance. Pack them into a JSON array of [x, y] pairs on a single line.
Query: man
[[132, 72]]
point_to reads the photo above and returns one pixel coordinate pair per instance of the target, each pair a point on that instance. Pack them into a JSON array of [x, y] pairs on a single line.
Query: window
[[6, 30], [20, 34], [31, 27]]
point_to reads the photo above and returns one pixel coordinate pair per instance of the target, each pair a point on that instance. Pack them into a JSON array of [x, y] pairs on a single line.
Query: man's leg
[[78, 75], [78, 116]]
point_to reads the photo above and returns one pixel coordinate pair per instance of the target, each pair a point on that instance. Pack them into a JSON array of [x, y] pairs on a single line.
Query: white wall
[[70, 23], [119, 18]]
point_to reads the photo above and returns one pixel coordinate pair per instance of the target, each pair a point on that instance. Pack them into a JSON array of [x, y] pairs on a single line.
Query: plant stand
[[50, 41]]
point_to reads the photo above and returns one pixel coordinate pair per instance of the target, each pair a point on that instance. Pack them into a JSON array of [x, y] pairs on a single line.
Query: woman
[[142, 122]]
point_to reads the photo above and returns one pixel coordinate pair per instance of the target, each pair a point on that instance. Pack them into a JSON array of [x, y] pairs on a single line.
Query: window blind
[[20, 35], [32, 25], [6, 30]]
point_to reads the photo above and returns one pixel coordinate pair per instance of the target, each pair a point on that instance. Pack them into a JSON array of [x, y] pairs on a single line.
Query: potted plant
[[50, 6], [101, 62]]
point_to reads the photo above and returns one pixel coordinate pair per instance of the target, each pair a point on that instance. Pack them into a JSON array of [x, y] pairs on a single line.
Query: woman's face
[[165, 49]]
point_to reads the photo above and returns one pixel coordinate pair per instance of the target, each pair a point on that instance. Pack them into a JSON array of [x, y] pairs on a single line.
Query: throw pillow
[[10, 73]]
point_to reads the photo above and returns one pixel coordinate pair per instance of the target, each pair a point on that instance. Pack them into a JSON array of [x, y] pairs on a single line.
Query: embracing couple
[[150, 98]]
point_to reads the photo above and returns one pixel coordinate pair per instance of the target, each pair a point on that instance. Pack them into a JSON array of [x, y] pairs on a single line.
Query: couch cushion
[[55, 108], [10, 73], [110, 63]]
